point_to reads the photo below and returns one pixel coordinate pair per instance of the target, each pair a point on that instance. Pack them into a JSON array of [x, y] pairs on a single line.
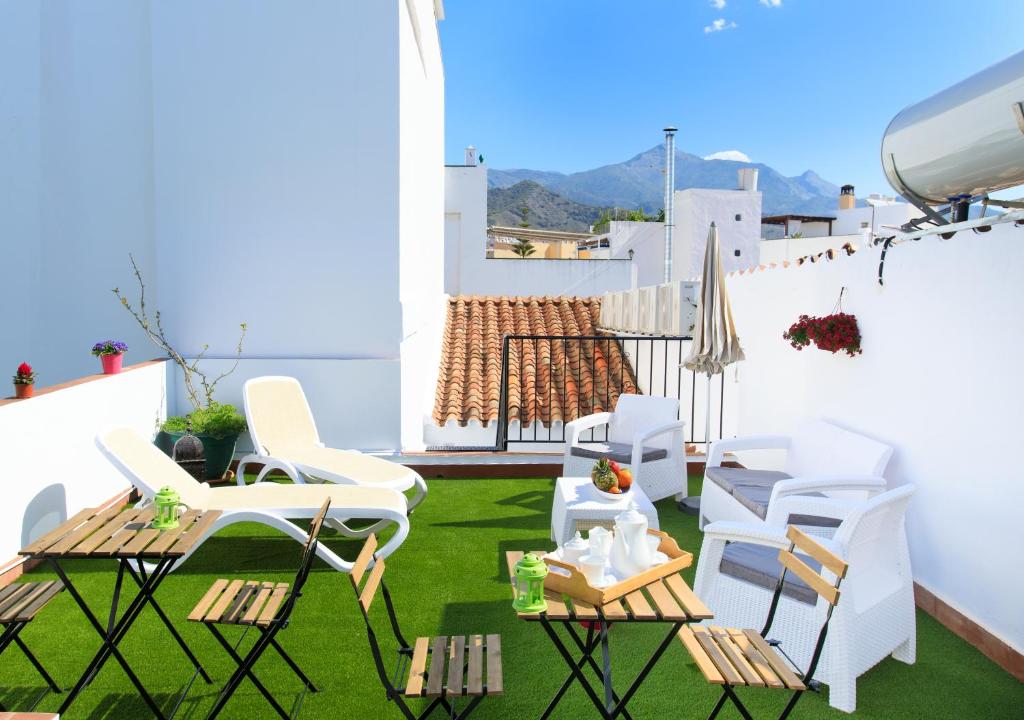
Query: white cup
[[572, 555], [653, 541], [592, 567]]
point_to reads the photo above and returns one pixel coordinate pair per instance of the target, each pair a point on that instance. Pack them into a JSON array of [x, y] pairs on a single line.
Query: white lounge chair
[[271, 504], [285, 438]]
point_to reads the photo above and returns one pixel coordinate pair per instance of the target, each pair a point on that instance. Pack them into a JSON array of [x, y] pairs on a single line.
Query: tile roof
[[549, 380]]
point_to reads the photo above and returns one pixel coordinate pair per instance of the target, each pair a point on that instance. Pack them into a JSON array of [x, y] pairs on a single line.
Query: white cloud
[[735, 155], [771, 3], [718, 4], [719, 25]]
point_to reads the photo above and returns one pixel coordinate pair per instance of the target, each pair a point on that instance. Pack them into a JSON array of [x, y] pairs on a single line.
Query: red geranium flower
[[24, 369]]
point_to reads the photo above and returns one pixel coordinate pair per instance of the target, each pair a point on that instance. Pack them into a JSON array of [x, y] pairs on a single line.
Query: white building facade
[[274, 164]]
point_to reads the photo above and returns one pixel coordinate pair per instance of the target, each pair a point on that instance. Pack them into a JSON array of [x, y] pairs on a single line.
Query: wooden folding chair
[[733, 657], [265, 606], [19, 605], [442, 668]]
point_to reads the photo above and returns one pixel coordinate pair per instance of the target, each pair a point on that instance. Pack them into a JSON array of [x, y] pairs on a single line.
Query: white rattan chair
[[822, 459], [738, 570], [645, 433]]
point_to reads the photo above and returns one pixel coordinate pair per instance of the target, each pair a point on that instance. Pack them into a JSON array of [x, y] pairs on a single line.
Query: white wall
[[76, 191], [647, 241], [938, 379], [264, 164], [421, 213], [695, 210], [789, 249], [882, 219], [50, 456], [468, 271]]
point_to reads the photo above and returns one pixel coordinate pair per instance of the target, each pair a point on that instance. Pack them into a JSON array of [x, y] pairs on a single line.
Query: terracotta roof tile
[[549, 380]]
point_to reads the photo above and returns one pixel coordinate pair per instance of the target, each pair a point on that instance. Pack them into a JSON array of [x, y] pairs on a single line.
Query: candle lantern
[[529, 585], [167, 503]]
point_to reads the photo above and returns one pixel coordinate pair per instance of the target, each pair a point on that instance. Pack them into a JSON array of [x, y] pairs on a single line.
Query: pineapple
[[603, 476]]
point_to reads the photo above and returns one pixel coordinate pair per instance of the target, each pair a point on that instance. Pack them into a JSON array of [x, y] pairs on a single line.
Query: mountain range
[[639, 182]]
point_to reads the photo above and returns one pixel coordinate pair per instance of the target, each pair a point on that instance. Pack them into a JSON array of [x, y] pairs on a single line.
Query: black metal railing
[[550, 380]]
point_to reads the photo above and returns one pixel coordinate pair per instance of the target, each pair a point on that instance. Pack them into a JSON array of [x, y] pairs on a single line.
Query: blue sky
[[797, 84]]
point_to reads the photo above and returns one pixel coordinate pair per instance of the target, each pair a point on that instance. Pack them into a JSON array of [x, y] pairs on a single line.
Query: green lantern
[[167, 503], [529, 585]]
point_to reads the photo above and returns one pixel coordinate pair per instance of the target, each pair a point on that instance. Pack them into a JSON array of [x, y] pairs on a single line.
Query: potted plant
[[835, 332], [216, 425], [24, 381], [110, 353]]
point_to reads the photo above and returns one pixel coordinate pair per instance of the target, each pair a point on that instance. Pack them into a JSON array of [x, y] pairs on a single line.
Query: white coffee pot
[[631, 553]]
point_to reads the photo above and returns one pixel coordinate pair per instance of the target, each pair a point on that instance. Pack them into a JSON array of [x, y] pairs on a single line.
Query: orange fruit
[[625, 478]]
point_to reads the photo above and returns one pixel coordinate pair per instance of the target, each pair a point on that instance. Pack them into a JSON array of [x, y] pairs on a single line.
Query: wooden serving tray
[[576, 585]]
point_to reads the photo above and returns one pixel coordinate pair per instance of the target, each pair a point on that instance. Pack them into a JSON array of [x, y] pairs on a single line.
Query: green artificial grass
[[449, 577]]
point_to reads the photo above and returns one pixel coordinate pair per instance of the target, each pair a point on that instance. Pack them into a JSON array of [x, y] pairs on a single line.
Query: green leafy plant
[[217, 420], [523, 248]]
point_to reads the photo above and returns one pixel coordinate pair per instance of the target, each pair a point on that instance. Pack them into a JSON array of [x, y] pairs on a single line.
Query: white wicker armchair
[[644, 432], [822, 459], [738, 569]]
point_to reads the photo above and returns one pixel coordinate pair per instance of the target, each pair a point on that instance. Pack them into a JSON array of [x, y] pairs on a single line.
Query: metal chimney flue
[[670, 192], [471, 156]]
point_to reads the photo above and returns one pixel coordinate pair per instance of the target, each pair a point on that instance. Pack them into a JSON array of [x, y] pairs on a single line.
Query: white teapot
[[631, 553]]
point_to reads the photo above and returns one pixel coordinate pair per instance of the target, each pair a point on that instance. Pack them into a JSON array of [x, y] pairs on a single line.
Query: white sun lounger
[[271, 504], [285, 438]]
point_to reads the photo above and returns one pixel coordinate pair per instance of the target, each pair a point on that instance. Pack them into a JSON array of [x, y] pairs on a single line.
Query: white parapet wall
[[52, 467], [939, 379]]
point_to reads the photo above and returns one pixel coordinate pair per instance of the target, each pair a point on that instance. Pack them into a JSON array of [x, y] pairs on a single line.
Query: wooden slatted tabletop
[[121, 533], [667, 599]]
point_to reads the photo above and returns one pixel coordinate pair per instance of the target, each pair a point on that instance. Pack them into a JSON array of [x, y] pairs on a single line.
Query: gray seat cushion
[[619, 452], [729, 477], [759, 565], [753, 490]]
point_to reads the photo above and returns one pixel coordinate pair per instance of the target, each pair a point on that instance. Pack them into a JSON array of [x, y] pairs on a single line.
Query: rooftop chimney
[[847, 200], [471, 156], [748, 179], [670, 192]]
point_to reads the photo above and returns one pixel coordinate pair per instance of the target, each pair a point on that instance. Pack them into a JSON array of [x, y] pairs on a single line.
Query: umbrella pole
[[691, 504]]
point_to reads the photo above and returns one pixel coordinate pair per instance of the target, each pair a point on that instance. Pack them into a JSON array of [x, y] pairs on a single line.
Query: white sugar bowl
[[573, 550]]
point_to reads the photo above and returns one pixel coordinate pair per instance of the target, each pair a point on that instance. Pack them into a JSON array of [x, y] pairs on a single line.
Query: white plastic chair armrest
[[749, 442], [637, 454], [759, 534], [779, 513], [659, 430], [574, 429], [867, 484]]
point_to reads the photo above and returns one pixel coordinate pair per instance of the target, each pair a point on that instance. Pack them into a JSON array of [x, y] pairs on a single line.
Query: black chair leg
[[38, 665], [294, 666], [244, 670]]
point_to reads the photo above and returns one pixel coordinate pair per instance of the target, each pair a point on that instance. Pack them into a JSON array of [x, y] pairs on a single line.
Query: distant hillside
[[639, 182], [548, 211]]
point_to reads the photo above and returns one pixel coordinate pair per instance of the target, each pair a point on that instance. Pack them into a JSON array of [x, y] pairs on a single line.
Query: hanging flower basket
[[833, 333]]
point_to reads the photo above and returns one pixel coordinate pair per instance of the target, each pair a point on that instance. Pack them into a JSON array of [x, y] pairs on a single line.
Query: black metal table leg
[[586, 649], [109, 646], [620, 707], [151, 600], [606, 666], [576, 671]]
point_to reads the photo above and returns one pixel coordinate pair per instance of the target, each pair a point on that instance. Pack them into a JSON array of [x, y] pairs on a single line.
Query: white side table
[[577, 506]]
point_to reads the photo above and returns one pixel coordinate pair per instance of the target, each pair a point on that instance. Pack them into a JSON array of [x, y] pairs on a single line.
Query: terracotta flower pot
[[111, 363], [23, 391]]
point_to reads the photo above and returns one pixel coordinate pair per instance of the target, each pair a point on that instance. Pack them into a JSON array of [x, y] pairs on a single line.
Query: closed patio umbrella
[[715, 345]]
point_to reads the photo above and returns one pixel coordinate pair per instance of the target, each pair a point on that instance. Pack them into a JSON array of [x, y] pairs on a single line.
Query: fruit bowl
[[610, 497]]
